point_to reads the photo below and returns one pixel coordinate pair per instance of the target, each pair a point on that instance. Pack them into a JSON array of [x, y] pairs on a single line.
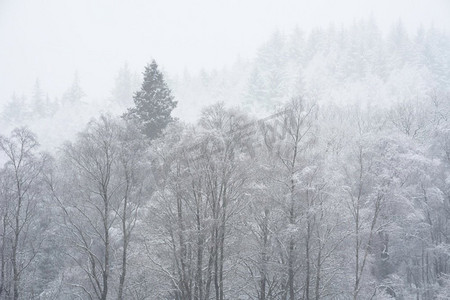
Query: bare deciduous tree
[[21, 189]]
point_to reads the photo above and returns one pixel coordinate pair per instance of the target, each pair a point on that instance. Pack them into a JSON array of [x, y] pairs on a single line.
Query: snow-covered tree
[[21, 189], [153, 104], [74, 93]]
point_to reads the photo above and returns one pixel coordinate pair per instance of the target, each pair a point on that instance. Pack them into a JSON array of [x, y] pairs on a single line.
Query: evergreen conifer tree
[[153, 104], [74, 94], [38, 100]]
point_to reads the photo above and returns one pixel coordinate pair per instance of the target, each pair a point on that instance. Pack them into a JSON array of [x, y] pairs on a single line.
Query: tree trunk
[[198, 288], [125, 248], [16, 273], [308, 268], [106, 257], [264, 255], [319, 266]]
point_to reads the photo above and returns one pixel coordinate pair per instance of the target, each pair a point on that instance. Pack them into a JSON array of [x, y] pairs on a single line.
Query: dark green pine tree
[[153, 104]]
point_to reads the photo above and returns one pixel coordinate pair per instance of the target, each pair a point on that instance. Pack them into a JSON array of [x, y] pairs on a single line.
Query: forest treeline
[[357, 64], [314, 203], [318, 200]]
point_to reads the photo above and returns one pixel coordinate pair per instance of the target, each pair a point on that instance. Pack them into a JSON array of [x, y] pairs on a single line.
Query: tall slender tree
[[20, 192]]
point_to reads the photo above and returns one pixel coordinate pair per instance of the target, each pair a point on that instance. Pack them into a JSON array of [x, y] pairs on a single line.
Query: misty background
[[54, 41]]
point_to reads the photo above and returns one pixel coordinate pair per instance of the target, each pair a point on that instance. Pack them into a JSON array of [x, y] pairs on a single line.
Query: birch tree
[[21, 192], [100, 204]]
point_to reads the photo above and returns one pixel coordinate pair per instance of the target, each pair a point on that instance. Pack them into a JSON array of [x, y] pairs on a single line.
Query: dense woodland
[[320, 170]]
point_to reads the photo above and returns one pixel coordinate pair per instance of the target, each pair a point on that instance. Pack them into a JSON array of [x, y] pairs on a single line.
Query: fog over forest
[[215, 150]]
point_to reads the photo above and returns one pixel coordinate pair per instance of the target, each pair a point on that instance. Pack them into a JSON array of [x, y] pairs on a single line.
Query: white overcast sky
[[51, 39]]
